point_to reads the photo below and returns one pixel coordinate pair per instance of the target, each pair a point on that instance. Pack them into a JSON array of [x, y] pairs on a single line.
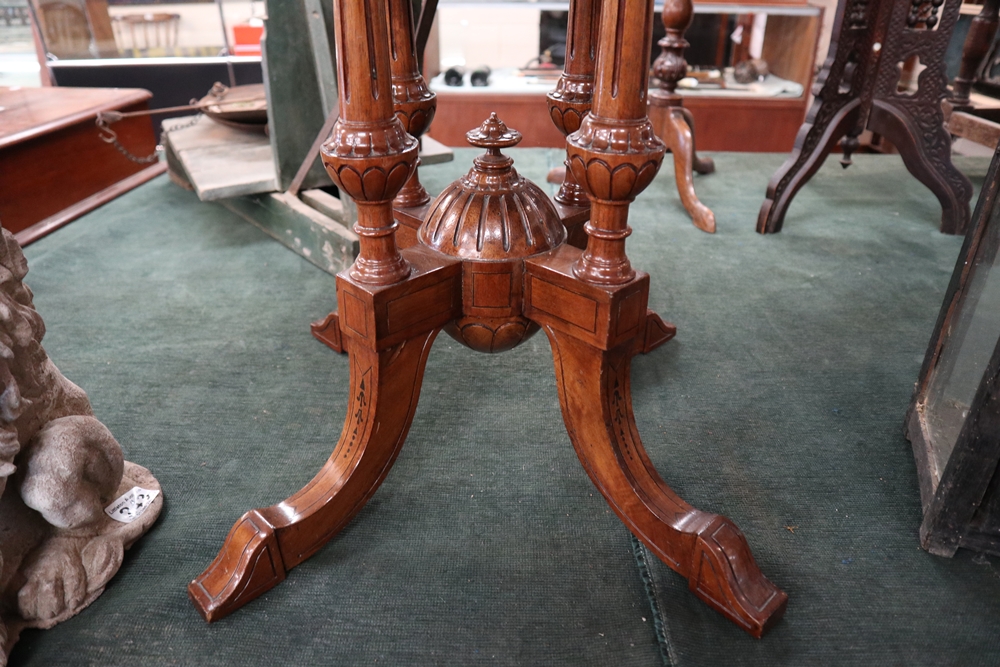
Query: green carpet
[[780, 403]]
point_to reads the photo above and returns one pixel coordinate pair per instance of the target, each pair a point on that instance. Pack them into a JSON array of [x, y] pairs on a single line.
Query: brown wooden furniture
[[885, 72], [76, 28], [55, 166], [491, 268], [677, 129], [977, 44], [572, 98], [962, 117]]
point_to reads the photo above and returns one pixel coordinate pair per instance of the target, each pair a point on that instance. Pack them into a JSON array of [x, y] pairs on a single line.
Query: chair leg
[[265, 543], [707, 549]]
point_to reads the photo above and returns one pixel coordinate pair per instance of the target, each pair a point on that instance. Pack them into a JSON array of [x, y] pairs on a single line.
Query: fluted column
[[574, 93], [369, 154], [413, 101], [615, 154]]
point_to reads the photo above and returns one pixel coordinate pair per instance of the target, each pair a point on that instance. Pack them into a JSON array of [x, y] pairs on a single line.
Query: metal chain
[[110, 136], [107, 135]]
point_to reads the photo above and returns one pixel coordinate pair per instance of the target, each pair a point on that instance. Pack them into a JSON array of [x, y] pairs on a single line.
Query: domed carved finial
[[493, 135], [492, 218]]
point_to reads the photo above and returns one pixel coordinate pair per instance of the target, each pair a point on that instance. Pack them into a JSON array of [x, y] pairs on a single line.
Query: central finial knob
[[492, 218], [493, 135]]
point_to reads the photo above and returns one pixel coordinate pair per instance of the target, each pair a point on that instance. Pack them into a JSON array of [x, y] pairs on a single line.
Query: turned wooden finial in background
[[574, 93], [615, 154], [670, 66], [369, 155], [413, 101]]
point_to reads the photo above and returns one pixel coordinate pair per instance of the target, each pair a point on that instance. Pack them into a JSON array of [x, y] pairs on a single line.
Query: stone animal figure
[[59, 468]]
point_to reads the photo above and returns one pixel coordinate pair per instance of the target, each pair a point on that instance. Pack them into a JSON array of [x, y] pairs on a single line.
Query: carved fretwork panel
[[885, 72]]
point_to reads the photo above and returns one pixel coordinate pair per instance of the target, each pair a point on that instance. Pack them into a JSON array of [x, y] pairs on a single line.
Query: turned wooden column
[[413, 101], [677, 129], [615, 154], [369, 155], [977, 44], [571, 100]]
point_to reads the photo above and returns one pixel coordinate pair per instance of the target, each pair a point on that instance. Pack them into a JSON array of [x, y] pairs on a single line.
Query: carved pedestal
[[491, 268], [678, 131]]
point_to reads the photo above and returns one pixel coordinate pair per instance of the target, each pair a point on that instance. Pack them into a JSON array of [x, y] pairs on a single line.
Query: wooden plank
[[295, 108], [319, 39], [433, 151], [221, 161], [982, 131], [343, 211]]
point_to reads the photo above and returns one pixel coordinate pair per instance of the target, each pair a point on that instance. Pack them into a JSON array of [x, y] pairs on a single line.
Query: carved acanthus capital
[[370, 161], [571, 101], [614, 160]]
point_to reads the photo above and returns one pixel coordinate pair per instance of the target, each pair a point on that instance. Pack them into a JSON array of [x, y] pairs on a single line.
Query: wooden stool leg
[[702, 165], [265, 543], [678, 129], [707, 549], [977, 44], [680, 141], [826, 123], [925, 146]]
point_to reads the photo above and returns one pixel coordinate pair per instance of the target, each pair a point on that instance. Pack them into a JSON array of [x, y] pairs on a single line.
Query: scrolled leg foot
[[265, 543], [707, 549], [248, 565], [725, 575]]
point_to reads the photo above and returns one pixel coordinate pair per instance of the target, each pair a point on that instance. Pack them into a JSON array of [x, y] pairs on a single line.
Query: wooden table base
[[593, 378], [489, 263]]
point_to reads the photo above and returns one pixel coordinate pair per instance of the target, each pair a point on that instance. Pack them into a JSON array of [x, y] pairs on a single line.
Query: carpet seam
[[659, 623]]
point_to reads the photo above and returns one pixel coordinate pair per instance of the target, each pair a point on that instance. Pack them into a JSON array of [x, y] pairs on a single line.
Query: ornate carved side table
[[865, 83]]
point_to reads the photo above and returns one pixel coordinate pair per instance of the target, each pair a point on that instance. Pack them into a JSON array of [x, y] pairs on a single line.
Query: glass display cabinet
[[954, 418]]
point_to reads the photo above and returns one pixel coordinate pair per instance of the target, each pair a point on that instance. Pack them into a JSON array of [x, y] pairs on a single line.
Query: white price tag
[[131, 504]]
